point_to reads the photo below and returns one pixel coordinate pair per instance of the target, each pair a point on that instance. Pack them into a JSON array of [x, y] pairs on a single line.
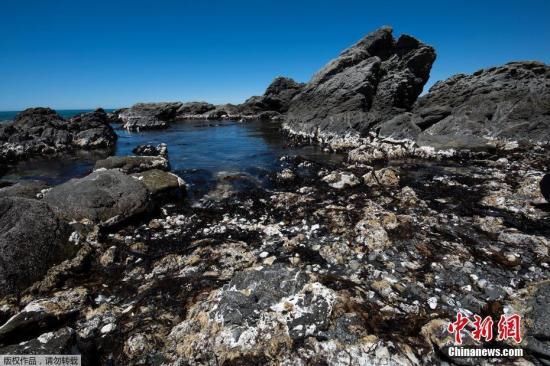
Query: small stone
[[108, 328], [432, 302]]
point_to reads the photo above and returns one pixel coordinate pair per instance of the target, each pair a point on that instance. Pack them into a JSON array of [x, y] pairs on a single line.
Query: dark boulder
[[41, 131], [510, 101], [276, 98], [92, 130], [104, 196], [545, 187], [370, 82], [143, 116], [32, 239]]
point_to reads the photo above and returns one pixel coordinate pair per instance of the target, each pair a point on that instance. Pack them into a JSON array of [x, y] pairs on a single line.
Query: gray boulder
[[32, 239], [146, 116], [510, 101], [104, 196], [370, 82], [133, 164]]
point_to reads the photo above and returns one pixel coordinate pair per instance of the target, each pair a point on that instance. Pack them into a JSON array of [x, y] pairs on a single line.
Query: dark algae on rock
[[435, 205]]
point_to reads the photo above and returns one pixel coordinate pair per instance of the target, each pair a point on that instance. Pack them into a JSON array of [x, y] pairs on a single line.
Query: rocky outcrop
[[32, 239], [144, 116], [276, 98], [41, 131], [370, 82], [507, 102], [104, 196]]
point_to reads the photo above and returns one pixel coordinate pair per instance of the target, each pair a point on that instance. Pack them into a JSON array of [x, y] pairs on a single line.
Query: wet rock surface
[[367, 266], [42, 132]]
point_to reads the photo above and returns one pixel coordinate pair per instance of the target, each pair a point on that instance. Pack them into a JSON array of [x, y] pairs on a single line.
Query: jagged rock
[[32, 239], [276, 97], [27, 189], [145, 116], [41, 131], [161, 183], [545, 187], [150, 150], [511, 101], [133, 164], [104, 196], [374, 80]]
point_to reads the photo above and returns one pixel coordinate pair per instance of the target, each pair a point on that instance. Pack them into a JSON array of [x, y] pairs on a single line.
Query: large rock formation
[[276, 98], [511, 101], [41, 131], [374, 80], [32, 238]]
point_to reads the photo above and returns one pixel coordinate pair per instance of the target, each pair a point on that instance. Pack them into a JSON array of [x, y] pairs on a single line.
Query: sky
[[86, 54]]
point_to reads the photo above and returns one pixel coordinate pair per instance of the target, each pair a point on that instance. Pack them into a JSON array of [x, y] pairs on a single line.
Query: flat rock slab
[[105, 196], [32, 239], [133, 164]]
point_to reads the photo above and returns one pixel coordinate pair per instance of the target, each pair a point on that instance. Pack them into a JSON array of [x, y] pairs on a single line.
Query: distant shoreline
[[65, 113]]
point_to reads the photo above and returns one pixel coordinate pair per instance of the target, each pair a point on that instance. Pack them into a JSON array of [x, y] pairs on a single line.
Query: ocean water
[[201, 152]]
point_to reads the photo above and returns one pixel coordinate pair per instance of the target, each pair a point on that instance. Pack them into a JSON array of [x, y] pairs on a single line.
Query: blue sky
[[85, 54]]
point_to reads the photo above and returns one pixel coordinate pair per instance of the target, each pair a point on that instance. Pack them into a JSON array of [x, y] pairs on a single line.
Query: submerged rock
[[370, 82], [133, 164], [32, 239], [105, 196]]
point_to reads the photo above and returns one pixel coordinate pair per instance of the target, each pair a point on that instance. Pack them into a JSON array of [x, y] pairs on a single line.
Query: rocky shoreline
[[441, 206]]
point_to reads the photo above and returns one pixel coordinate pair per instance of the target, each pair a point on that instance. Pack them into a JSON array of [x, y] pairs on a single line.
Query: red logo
[[509, 327]]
